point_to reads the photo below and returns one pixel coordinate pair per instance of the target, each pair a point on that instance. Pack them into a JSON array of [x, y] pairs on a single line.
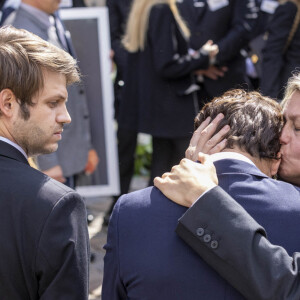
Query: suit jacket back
[[145, 259]]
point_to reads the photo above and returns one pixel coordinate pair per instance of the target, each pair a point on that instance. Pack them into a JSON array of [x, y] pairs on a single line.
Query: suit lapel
[[6, 150]]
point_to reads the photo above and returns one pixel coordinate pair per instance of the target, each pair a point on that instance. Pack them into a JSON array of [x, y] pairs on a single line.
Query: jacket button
[[207, 238], [200, 231], [214, 244]]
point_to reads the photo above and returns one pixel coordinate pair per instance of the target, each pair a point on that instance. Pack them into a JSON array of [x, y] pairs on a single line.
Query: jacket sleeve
[[273, 58], [239, 33], [62, 262], [117, 27], [113, 288], [239, 250], [165, 46]]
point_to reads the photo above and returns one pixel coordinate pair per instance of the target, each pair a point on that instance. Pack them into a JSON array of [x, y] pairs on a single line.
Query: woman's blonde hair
[[138, 20], [293, 85]]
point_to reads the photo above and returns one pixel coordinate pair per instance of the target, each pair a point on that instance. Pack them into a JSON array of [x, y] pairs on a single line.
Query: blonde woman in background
[[159, 96]]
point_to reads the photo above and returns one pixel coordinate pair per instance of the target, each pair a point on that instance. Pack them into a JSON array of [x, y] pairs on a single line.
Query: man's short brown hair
[[255, 121], [23, 57]]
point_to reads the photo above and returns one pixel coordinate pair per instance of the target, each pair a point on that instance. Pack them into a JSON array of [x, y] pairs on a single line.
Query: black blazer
[[155, 98], [227, 27], [276, 66], [43, 234]]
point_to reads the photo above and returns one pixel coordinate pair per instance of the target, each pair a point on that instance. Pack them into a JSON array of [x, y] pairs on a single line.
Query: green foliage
[[143, 159]]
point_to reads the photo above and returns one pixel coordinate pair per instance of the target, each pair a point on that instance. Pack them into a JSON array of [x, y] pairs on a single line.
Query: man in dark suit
[[146, 260], [75, 155], [245, 257], [43, 230]]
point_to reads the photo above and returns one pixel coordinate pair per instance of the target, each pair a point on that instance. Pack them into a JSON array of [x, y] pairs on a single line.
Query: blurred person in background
[[159, 96], [230, 24], [75, 155], [127, 138], [281, 55]]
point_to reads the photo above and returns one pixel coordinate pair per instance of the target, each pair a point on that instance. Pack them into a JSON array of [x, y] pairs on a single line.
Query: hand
[[92, 162], [55, 173], [204, 140], [111, 57], [212, 72], [188, 181], [210, 48]]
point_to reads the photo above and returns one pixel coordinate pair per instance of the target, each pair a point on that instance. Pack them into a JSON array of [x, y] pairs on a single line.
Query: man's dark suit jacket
[[245, 257], [146, 260], [43, 234]]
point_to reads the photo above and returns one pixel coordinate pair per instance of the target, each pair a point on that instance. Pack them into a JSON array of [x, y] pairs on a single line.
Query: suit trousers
[[167, 152]]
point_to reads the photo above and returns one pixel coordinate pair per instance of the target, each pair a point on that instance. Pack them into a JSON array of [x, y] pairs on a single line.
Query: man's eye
[[53, 104]]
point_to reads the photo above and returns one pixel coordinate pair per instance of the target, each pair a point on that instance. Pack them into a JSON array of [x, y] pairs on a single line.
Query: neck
[[264, 165]]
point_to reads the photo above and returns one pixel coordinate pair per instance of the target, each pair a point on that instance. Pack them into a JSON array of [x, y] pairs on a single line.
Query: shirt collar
[[3, 139], [231, 155], [39, 14]]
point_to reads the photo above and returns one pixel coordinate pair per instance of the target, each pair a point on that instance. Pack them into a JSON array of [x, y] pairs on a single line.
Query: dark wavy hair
[[255, 121]]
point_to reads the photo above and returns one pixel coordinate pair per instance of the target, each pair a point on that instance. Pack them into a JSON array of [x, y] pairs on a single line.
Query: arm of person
[[164, 45], [227, 237], [117, 25], [92, 162], [113, 287], [273, 57], [62, 261], [239, 33], [55, 173], [50, 166]]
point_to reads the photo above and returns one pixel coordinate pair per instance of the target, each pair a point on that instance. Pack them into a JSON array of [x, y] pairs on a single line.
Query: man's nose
[[63, 116], [284, 137]]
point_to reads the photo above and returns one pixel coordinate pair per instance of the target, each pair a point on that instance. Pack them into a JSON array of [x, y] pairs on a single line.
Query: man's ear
[[8, 102]]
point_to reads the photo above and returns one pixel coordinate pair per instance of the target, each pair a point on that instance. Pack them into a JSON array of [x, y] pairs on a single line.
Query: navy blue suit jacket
[[145, 259], [43, 234]]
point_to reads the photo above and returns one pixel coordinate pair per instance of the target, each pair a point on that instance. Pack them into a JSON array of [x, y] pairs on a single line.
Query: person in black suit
[[281, 56], [159, 93], [127, 139], [229, 24], [43, 229], [245, 258]]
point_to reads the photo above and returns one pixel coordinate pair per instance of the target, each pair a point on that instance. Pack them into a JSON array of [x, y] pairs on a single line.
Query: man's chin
[[45, 150]]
